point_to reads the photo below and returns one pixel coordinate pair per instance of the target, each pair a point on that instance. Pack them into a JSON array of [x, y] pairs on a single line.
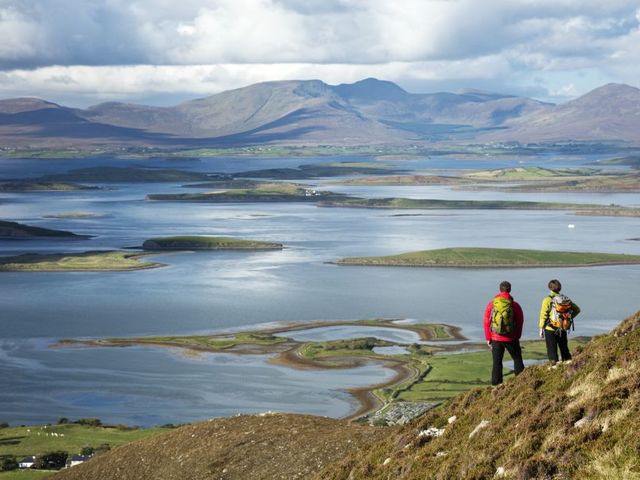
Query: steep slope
[[577, 420], [256, 447], [610, 112], [11, 106]]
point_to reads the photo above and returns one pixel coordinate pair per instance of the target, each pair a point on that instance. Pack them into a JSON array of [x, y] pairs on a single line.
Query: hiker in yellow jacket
[[556, 318]]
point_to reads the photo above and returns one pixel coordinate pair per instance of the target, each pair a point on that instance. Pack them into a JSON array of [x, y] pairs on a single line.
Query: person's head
[[555, 286], [505, 287]]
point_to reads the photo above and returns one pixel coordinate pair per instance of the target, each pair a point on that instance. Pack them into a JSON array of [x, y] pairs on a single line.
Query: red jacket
[[518, 317]]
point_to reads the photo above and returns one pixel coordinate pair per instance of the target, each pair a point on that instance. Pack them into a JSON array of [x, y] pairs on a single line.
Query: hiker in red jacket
[[503, 321]]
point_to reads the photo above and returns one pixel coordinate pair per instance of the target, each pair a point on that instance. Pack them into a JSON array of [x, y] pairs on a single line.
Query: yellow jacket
[[545, 310]]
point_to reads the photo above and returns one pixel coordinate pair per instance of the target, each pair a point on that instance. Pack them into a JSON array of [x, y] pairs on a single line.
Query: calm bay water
[[215, 291]]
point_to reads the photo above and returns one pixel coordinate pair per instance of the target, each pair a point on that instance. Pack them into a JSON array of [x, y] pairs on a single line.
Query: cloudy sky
[[81, 52]]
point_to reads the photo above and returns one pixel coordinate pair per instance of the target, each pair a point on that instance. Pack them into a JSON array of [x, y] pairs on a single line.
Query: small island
[[95, 261], [72, 215], [231, 183], [403, 180], [319, 170], [127, 175], [493, 258], [207, 243], [26, 186], [438, 204], [19, 231]]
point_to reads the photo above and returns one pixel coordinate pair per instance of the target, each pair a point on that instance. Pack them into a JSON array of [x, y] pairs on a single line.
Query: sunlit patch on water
[[393, 350], [345, 332]]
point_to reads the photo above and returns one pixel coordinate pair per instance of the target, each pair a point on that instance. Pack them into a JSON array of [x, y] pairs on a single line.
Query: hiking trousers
[[497, 352], [557, 341]]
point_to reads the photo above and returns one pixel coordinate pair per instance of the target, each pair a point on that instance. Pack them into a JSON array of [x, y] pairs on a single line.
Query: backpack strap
[[547, 320]]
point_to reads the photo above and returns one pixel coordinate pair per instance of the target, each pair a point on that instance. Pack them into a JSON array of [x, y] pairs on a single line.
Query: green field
[[530, 174], [207, 243], [26, 474], [37, 440], [454, 373], [492, 257], [97, 261]]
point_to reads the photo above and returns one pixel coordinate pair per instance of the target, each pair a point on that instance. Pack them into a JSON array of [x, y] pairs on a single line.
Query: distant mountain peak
[[25, 104], [371, 89], [483, 94]]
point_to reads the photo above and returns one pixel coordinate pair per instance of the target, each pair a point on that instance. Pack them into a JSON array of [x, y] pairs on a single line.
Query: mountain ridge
[[311, 112]]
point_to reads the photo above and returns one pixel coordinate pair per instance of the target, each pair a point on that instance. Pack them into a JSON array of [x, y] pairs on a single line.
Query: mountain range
[[311, 112]]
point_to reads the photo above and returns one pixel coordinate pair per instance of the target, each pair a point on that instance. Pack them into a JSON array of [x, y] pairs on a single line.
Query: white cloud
[[204, 46]]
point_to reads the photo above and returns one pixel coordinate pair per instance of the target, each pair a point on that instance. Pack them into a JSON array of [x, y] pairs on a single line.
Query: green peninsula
[[263, 192], [96, 261], [207, 243], [15, 230], [493, 258]]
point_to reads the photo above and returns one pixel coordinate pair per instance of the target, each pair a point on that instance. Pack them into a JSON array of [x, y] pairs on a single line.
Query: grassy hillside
[[492, 257], [257, 447], [576, 420]]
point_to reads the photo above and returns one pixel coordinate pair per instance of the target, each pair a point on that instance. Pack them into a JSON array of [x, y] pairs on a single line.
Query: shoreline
[[287, 353], [131, 268]]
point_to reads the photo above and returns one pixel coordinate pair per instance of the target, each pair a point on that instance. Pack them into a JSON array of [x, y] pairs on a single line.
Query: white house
[[74, 460], [27, 462]]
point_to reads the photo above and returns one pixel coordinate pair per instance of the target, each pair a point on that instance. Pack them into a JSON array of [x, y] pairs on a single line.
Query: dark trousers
[[555, 340], [497, 351]]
